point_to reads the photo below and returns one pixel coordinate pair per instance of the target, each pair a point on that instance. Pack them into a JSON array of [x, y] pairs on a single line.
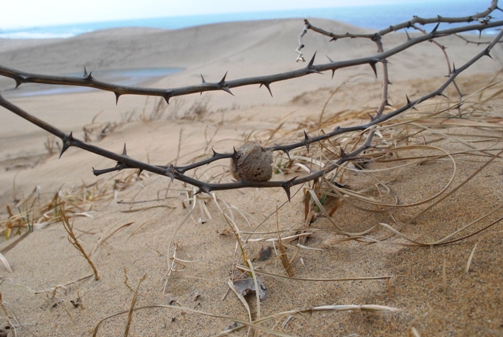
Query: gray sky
[[28, 13]]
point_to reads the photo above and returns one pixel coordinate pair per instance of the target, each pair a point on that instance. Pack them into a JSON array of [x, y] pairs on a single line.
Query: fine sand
[[131, 225]]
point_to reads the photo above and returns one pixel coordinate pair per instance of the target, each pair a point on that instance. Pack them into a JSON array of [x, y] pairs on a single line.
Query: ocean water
[[373, 17]]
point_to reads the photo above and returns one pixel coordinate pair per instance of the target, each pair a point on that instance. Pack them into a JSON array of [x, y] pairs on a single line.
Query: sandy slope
[[471, 305]]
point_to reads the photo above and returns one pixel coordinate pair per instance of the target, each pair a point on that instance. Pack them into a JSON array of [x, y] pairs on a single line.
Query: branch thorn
[[267, 85], [67, 142], [409, 103], [435, 29], [87, 76], [306, 140], [235, 157], [170, 172], [167, 95], [373, 65], [287, 185], [343, 153], [486, 53], [18, 81], [287, 152], [223, 86], [310, 66], [204, 188]]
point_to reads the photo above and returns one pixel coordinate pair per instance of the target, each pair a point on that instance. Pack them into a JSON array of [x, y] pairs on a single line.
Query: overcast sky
[[29, 13]]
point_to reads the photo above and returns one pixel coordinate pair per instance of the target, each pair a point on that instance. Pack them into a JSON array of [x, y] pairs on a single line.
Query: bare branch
[[179, 172]]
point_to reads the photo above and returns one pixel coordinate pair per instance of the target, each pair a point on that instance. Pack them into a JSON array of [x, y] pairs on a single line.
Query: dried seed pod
[[251, 162]]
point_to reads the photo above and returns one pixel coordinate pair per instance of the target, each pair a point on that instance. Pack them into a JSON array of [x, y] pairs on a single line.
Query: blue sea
[[374, 17]]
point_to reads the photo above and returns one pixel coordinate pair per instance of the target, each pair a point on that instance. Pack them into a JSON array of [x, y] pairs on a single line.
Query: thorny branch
[[178, 172]]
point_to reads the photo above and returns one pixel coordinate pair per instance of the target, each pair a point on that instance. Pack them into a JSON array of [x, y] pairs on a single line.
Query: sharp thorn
[[222, 81], [235, 157], [124, 151], [117, 95], [331, 61], [409, 103], [67, 142], [333, 73], [167, 96], [223, 86], [267, 86], [373, 65], [169, 172], [408, 36], [203, 188], [306, 141], [287, 185], [202, 78], [287, 152], [85, 72], [408, 100], [435, 29], [310, 65], [227, 90], [343, 153], [486, 53]]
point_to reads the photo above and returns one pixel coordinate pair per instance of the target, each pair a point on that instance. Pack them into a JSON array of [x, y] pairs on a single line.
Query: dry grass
[[385, 198]]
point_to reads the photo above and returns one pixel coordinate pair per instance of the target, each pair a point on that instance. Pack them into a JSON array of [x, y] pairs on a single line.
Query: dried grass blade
[[253, 325], [467, 226], [257, 291], [241, 298], [5, 263], [283, 254], [75, 242], [370, 278], [470, 258], [102, 240], [133, 303], [343, 307]]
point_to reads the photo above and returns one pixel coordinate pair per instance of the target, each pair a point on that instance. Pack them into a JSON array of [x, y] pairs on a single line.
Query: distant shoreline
[[370, 17]]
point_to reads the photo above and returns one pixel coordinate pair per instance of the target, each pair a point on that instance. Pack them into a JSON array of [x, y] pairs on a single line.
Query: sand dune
[[471, 304]]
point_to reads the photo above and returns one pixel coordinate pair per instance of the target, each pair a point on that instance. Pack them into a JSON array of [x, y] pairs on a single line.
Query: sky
[[30, 13]]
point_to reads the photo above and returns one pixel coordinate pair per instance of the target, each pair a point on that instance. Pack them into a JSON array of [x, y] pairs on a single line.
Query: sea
[[371, 16]]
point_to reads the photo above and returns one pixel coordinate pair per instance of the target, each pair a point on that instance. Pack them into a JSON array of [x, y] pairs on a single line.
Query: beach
[[142, 225]]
